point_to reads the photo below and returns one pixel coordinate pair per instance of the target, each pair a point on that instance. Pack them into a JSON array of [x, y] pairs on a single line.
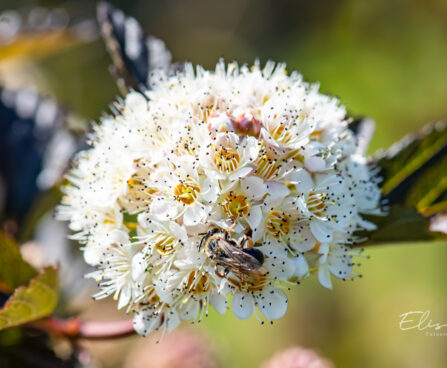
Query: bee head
[[207, 237]]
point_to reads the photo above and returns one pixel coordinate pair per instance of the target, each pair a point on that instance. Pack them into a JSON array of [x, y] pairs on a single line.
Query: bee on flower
[[219, 189]]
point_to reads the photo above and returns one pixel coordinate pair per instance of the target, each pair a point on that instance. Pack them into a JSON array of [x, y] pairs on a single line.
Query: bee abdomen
[[255, 253]]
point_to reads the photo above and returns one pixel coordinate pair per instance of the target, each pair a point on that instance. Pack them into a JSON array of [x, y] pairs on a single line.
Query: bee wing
[[247, 269], [236, 258]]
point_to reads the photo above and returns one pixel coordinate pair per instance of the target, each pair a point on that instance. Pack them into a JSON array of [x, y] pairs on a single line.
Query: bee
[[238, 262]]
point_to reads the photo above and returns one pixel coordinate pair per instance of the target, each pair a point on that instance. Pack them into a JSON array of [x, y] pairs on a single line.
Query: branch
[[76, 328]]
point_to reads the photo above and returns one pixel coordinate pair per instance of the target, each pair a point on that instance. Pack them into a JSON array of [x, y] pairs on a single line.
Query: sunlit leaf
[[32, 302], [14, 271], [410, 161], [414, 186], [35, 33], [28, 46], [428, 192], [402, 224]]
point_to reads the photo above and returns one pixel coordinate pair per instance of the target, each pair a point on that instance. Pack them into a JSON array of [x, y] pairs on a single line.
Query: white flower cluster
[[255, 153]]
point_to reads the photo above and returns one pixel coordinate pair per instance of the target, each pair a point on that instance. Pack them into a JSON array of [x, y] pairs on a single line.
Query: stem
[[76, 328]]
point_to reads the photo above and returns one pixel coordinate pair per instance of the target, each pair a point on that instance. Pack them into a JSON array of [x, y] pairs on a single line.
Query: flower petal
[[139, 266], [136, 102], [301, 267], [163, 208], [93, 254], [189, 310], [125, 294], [210, 190], [272, 303], [219, 302], [172, 320], [243, 305], [178, 231], [242, 172], [303, 240], [253, 187], [194, 214], [335, 183], [258, 232], [254, 217], [324, 277], [145, 321], [251, 150], [315, 163], [302, 180], [276, 192], [321, 231]]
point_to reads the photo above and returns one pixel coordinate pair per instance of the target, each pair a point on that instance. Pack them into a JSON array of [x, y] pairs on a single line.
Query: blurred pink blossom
[[297, 357], [179, 349]]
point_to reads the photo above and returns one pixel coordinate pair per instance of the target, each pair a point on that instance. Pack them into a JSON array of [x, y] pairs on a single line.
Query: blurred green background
[[386, 59]]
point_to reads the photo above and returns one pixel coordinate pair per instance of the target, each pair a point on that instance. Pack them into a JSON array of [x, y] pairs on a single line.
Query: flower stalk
[[77, 328]]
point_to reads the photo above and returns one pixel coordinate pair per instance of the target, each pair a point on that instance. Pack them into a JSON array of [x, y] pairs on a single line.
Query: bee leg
[[219, 272], [246, 242], [233, 225]]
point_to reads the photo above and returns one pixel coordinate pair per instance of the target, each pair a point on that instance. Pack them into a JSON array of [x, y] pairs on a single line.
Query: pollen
[[316, 203], [267, 167], [236, 205], [281, 134], [226, 159], [198, 283], [278, 224], [165, 243], [186, 192], [187, 146], [316, 135]]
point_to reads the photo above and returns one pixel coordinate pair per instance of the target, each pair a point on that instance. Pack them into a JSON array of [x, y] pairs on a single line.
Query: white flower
[[265, 293], [100, 241], [282, 225], [326, 202], [198, 289], [153, 318], [115, 273], [241, 202], [335, 259], [284, 124], [228, 156], [219, 185], [182, 192]]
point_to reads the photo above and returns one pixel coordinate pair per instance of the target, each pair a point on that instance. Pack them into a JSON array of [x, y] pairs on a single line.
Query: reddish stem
[[76, 328]]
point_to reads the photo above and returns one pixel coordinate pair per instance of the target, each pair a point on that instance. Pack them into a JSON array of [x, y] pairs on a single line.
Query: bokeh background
[[385, 59]]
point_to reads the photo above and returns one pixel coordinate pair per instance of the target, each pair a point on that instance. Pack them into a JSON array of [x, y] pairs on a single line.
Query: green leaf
[[410, 162], [14, 271], [428, 192], [402, 224], [414, 186], [32, 302]]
